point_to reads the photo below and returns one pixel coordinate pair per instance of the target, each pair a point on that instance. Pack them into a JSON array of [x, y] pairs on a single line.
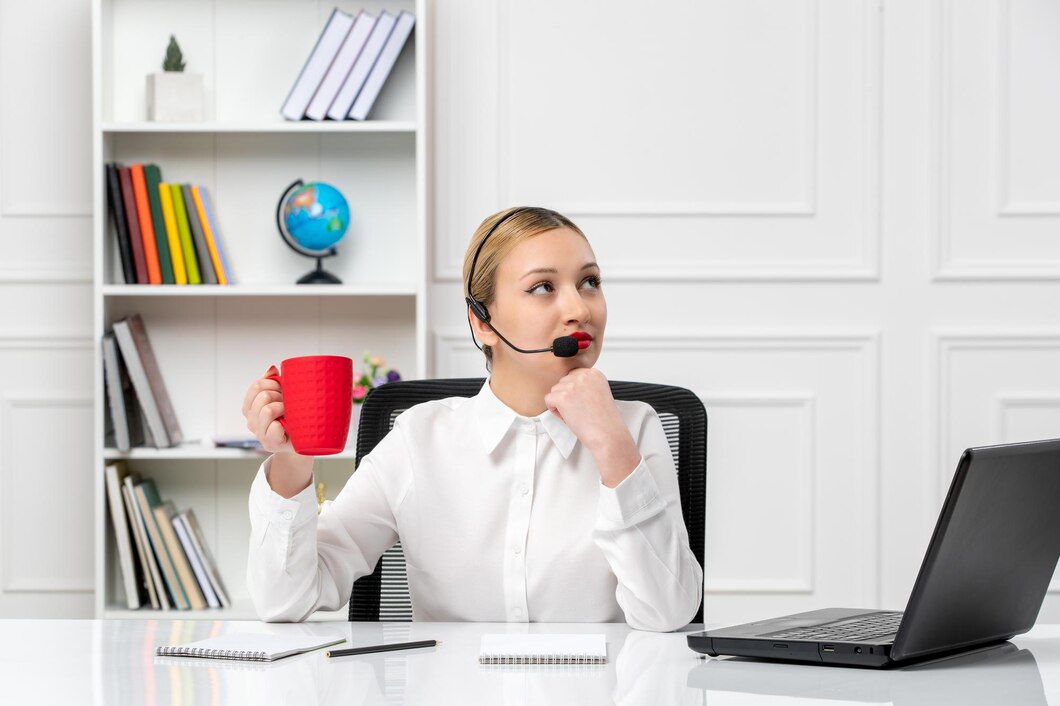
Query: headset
[[562, 347]]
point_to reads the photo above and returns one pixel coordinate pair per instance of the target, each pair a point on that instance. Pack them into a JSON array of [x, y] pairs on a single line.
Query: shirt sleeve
[[642, 534], [299, 561]]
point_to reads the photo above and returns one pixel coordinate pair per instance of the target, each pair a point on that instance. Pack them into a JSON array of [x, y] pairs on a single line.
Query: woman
[[539, 499]]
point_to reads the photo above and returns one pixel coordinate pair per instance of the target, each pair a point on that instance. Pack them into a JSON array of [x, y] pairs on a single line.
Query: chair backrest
[[384, 594]]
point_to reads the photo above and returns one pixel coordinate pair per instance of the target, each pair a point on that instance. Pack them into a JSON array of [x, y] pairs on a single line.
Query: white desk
[[112, 662]]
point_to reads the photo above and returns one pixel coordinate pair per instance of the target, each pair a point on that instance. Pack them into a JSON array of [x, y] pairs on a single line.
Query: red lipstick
[[582, 338]]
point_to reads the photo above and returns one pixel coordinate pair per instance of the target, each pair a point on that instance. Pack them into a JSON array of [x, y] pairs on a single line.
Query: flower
[[371, 377]]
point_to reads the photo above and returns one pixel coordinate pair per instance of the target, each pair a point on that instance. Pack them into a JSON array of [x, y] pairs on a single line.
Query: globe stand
[[319, 275]]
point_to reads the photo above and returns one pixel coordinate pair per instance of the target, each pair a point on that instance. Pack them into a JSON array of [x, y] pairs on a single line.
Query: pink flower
[[376, 361], [359, 393]]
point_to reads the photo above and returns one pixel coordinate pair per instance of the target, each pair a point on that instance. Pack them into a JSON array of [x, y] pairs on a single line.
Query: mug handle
[[281, 419]]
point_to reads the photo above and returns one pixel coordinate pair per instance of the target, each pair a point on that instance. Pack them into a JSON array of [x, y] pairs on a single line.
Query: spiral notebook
[[252, 647], [543, 649]]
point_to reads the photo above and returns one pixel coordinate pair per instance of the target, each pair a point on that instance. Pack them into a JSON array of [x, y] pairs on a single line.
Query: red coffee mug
[[317, 402]]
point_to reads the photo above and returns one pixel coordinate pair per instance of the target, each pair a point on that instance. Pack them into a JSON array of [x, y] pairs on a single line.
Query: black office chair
[[384, 594]]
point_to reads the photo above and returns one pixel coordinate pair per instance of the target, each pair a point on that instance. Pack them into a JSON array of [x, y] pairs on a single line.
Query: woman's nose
[[574, 307]]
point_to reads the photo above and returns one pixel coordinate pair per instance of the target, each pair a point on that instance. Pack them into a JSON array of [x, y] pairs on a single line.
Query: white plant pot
[[174, 96]]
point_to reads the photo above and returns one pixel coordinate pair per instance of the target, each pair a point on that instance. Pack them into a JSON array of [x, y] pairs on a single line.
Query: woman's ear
[[483, 333]]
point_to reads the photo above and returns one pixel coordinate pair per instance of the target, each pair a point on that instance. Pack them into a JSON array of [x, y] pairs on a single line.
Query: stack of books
[[167, 233], [165, 563], [139, 411], [348, 66]]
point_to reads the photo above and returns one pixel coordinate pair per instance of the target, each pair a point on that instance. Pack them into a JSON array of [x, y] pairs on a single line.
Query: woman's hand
[[582, 399], [262, 407]]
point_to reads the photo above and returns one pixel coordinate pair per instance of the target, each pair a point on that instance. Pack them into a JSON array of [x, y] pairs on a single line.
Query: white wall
[[833, 220]]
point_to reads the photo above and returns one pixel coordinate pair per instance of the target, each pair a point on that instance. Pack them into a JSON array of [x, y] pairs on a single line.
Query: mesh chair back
[[384, 594]]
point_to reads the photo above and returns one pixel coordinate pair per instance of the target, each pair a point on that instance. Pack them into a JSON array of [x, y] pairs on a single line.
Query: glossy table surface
[[113, 662]]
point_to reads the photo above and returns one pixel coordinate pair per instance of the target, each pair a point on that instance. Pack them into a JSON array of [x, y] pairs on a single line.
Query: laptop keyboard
[[863, 628]]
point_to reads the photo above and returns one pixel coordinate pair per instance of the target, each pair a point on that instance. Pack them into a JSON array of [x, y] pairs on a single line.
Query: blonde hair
[[520, 223]]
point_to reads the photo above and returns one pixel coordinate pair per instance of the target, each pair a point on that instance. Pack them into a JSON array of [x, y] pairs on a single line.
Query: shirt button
[[518, 612], [523, 490], [528, 426], [518, 550], [287, 514]]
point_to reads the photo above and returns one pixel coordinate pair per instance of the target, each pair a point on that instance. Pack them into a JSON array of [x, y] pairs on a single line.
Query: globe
[[312, 219]]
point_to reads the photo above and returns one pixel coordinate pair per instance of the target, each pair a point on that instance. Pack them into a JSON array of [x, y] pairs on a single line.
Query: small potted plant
[[174, 95]]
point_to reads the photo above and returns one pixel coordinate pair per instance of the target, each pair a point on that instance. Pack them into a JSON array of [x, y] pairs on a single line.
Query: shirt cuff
[[286, 513], [630, 502]]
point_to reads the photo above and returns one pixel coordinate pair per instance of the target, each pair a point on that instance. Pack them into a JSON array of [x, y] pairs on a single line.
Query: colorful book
[[340, 107], [136, 243], [153, 177], [320, 59], [341, 67], [194, 560], [169, 218], [164, 517], [121, 230], [147, 499], [212, 221], [147, 228], [208, 236], [206, 270], [362, 106], [155, 585], [203, 550], [187, 247]]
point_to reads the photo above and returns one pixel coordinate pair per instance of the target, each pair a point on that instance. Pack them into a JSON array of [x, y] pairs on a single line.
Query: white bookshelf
[[212, 341]]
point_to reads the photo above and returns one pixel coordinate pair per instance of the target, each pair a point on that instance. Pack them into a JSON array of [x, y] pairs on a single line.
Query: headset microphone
[[562, 347]]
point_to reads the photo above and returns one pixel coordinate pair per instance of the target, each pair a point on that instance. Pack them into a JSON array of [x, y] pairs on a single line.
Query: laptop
[[987, 676], [983, 579]]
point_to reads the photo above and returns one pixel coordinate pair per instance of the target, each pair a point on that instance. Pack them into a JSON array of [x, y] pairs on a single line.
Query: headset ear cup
[[478, 309]]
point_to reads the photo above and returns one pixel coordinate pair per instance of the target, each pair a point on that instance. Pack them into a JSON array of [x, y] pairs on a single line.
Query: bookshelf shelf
[[211, 341], [247, 290], [193, 452], [264, 127]]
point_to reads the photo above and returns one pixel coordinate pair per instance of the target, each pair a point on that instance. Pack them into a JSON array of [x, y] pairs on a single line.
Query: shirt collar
[[494, 419]]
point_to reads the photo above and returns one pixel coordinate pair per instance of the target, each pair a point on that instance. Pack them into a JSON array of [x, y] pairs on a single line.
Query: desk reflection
[[996, 675]]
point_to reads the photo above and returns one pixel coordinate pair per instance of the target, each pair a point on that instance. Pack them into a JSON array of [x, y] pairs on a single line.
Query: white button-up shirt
[[501, 518]]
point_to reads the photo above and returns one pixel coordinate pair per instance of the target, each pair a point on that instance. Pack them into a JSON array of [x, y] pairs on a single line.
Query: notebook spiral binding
[[180, 651], [573, 659]]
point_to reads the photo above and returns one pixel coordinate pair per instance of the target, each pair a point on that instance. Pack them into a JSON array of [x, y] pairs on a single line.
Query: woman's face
[[548, 286]]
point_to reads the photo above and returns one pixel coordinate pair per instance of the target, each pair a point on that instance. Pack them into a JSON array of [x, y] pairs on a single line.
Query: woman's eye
[[540, 288], [592, 282]]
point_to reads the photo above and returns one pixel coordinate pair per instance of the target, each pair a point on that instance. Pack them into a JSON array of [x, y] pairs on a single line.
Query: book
[[187, 246], [253, 647], [362, 106], [198, 540], [152, 178], [147, 499], [320, 59], [157, 586], [169, 218], [121, 398], [208, 236], [164, 512], [147, 381], [216, 233], [206, 271], [340, 68], [340, 107], [147, 228], [140, 540], [543, 648], [121, 231], [132, 222], [194, 560], [114, 474]]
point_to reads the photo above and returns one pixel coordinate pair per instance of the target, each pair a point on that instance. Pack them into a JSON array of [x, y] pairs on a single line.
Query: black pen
[[381, 648]]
